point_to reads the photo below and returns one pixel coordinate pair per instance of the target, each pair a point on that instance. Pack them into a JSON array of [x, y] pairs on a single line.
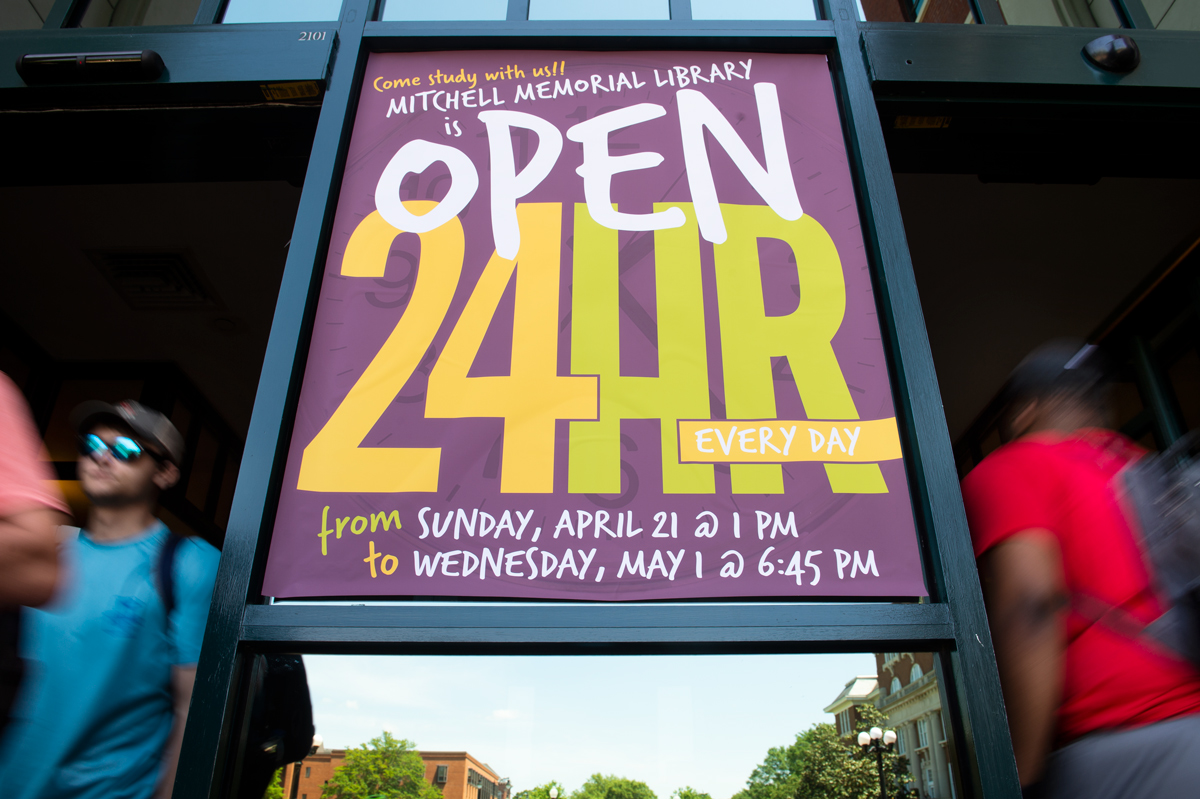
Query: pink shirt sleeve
[[24, 476]]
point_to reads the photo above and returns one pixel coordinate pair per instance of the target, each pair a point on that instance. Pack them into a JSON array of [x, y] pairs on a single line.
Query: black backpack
[[1164, 490], [280, 728]]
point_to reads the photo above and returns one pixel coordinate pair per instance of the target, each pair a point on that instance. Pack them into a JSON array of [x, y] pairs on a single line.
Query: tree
[[778, 776], [542, 791], [688, 792], [601, 786], [835, 767], [385, 768], [275, 789], [820, 764]]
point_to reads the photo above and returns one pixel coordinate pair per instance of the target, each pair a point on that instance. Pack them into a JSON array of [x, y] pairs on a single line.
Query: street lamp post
[[877, 741]]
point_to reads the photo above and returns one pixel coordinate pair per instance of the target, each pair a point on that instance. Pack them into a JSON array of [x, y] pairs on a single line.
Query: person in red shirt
[[1094, 709]]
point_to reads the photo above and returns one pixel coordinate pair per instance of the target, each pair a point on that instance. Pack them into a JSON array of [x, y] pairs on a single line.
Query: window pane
[[1174, 15], [1061, 13], [23, 14], [127, 13], [952, 11], [686, 727], [667, 722], [422, 10], [753, 9], [281, 10], [612, 9]]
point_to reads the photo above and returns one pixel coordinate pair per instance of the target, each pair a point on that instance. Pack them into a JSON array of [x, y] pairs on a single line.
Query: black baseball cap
[[147, 423], [1058, 366]]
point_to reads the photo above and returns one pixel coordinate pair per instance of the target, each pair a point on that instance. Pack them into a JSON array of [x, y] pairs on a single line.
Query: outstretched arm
[[1023, 589], [29, 556]]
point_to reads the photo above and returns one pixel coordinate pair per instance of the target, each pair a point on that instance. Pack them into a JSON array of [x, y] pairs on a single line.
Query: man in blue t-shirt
[[102, 710]]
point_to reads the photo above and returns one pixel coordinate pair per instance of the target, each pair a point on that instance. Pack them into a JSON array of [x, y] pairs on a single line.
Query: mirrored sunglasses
[[123, 448]]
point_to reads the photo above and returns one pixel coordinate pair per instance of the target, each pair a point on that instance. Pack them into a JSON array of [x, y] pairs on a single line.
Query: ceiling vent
[[154, 280]]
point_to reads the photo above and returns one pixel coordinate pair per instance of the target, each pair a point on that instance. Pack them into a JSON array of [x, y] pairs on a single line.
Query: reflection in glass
[[952, 11], [128, 13], [1061, 13], [1174, 15], [422, 10], [281, 11], [610, 9], [754, 9], [24, 15], [666, 722]]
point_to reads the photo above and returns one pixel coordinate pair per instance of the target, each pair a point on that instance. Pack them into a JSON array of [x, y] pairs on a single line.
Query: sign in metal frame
[[596, 326]]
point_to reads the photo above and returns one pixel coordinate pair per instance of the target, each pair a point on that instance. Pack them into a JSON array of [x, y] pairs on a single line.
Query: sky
[[704, 721]]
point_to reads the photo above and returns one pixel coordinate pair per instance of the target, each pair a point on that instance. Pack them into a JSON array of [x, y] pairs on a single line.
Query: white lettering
[[507, 184], [774, 183], [598, 168], [868, 567], [843, 560], [638, 567], [787, 439], [764, 519], [853, 437], [725, 445], [416, 156]]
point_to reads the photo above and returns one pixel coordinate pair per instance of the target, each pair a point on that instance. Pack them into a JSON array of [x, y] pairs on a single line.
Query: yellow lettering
[[386, 518], [370, 559], [334, 459], [533, 396], [325, 531]]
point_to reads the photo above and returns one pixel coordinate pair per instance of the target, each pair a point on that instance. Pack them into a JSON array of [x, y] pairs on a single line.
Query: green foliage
[[275, 789], [820, 764], [600, 786], [386, 768], [542, 791], [778, 776], [688, 792]]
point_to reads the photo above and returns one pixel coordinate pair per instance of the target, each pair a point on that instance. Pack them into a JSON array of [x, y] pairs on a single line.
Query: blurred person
[[102, 711], [31, 509], [1094, 708]]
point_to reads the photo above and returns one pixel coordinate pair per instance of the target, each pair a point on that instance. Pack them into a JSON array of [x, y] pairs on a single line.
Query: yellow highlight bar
[[788, 441]]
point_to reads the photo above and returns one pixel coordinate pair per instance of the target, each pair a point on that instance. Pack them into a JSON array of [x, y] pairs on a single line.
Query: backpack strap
[[166, 572], [1114, 618], [1120, 621]]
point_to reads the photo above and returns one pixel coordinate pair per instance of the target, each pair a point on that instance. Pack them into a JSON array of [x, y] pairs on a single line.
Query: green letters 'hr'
[[750, 338], [681, 389]]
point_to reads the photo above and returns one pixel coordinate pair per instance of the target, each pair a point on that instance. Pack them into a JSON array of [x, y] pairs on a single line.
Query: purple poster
[[596, 326]]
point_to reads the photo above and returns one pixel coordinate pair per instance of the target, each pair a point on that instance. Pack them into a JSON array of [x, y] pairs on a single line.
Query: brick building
[[909, 697], [458, 774], [862, 690], [906, 691]]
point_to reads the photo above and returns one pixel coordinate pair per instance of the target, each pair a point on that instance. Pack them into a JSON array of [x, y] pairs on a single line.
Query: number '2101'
[[595, 396], [311, 36]]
